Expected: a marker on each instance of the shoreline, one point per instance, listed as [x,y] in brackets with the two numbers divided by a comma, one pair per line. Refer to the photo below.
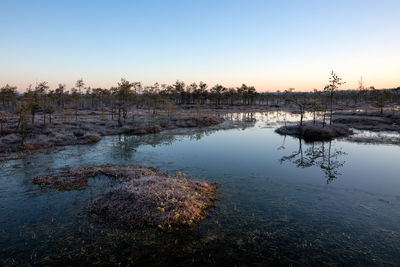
[91,126]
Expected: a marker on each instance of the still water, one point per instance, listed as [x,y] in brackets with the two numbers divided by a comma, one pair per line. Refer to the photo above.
[282,201]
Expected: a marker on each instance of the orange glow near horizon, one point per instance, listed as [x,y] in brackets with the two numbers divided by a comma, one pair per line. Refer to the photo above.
[270,45]
[269,84]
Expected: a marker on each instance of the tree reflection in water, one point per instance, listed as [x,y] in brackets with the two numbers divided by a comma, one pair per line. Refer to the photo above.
[320,154]
[124,144]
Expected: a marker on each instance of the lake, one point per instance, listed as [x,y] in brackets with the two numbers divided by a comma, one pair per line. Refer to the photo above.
[281,201]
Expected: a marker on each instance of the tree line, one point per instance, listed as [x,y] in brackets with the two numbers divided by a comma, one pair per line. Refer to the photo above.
[117,101]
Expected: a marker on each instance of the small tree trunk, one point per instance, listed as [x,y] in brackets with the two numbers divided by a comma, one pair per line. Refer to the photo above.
[301,117]
[19,122]
[125,112]
[314,117]
[330,119]
[119,115]
[22,133]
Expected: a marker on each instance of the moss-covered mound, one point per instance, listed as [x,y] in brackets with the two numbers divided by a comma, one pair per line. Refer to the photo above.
[311,132]
[77,178]
[143,196]
[156,200]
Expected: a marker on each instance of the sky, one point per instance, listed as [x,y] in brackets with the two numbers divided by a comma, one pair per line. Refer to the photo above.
[272,45]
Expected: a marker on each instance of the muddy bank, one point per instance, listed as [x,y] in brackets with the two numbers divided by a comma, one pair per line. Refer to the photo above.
[90,128]
[310,132]
[142,197]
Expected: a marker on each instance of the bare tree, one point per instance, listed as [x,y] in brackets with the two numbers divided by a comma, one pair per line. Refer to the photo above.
[334,83]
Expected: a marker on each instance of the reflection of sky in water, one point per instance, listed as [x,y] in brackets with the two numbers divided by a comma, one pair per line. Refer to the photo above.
[255,150]
[261,193]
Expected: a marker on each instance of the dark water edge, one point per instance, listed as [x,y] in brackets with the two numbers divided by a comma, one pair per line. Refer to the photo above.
[283,202]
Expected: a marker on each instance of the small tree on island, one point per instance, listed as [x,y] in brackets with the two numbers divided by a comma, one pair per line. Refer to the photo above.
[315,105]
[334,83]
[300,101]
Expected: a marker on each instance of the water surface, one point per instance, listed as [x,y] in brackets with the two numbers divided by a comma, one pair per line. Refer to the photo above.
[282,201]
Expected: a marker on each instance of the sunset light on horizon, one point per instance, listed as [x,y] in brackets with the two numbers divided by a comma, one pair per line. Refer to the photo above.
[272,45]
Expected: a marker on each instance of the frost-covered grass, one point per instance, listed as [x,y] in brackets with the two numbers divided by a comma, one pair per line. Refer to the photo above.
[143,197]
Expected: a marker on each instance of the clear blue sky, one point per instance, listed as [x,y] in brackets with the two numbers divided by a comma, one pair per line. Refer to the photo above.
[270,44]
